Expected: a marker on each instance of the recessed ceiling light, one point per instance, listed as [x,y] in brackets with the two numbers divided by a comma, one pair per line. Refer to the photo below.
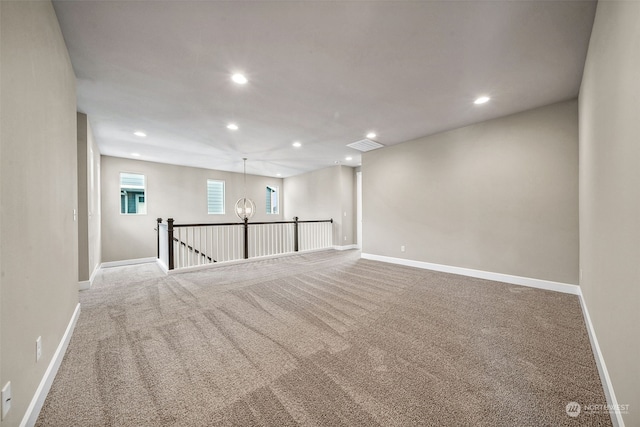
[140,134]
[135,154]
[297,144]
[348,158]
[232,126]
[239,78]
[278,174]
[371,135]
[481,100]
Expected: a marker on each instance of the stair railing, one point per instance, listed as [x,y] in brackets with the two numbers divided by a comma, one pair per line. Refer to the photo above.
[190,245]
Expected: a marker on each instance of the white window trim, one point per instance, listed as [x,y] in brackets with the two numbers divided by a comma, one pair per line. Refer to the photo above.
[277,191]
[224,196]
[146,193]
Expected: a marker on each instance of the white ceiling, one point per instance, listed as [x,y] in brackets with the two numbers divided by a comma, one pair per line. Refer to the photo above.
[322,73]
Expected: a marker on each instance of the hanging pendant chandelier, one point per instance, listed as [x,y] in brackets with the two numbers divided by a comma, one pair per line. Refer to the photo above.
[245,208]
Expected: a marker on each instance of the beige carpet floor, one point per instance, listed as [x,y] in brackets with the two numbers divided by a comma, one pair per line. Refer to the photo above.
[324,339]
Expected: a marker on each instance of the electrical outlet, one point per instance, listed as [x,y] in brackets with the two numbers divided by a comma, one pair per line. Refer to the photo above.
[345,238]
[402,248]
[6,399]
[38,348]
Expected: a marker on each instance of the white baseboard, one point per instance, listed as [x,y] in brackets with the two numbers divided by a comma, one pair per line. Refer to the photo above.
[345,247]
[488,275]
[127,262]
[225,263]
[239,261]
[31,416]
[86,284]
[616,416]
[162,266]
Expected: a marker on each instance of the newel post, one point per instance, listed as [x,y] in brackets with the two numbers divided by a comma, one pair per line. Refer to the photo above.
[246,238]
[295,234]
[159,220]
[170,242]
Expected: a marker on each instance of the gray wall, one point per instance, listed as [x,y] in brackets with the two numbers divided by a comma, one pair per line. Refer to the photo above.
[89,243]
[323,194]
[173,191]
[610,194]
[499,196]
[38,250]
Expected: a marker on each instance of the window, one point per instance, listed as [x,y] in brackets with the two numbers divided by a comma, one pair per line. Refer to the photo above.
[272,200]
[215,197]
[132,194]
